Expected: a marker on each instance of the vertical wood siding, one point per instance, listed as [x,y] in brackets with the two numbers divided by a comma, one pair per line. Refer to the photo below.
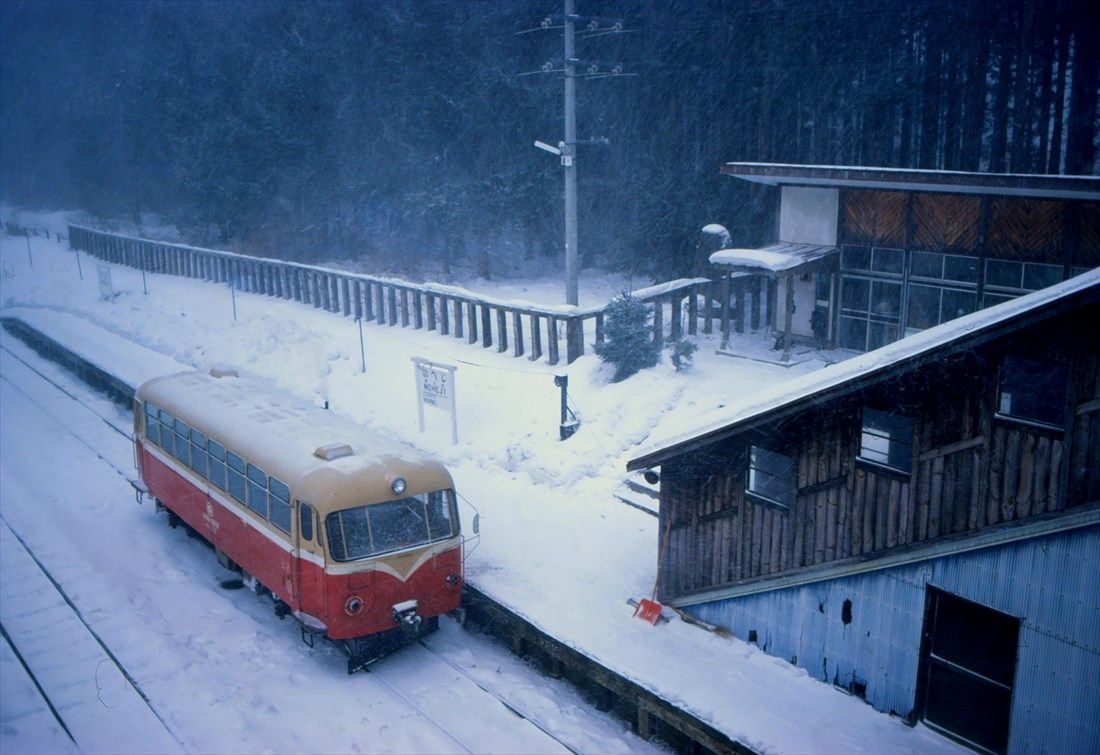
[971,469]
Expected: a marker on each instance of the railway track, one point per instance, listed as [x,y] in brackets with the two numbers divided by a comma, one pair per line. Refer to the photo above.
[434,689]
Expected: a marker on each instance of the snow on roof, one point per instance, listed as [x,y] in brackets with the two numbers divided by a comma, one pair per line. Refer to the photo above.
[761,258]
[280,432]
[775,258]
[716,229]
[940,338]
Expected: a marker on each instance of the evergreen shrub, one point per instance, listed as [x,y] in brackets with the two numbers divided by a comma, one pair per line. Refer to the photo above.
[628,345]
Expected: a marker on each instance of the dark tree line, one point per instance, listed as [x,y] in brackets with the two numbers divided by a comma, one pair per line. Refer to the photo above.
[400,130]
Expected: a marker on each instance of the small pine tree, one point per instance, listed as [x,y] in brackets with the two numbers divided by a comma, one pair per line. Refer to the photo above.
[629,345]
[682,353]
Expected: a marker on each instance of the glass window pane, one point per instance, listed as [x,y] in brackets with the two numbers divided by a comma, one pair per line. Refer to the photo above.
[151,409]
[198,439]
[182,428]
[1003,273]
[888,261]
[236,485]
[152,430]
[1041,276]
[1034,390]
[257,498]
[957,304]
[217,473]
[183,448]
[771,475]
[442,517]
[257,475]
[886,298]
[881,333]
[398,524]
[887,438]
[167,418]
[235,462]
[852,333]
[305,521]
[924,307]
[958,268]
[198,459]
[334,524]
[216,449]
[926,265]
[280,514]
[855,258]
[278,489]
[855,294]
[988,300]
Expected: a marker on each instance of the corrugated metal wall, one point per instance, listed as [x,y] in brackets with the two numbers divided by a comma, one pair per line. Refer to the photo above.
[1052,583]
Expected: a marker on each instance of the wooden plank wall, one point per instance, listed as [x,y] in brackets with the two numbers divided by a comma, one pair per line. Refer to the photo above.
[971,470]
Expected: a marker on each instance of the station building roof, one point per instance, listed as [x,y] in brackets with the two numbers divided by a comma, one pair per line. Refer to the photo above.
[797,394]
[906,179]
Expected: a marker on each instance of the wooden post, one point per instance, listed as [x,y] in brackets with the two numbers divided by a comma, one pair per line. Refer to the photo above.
[486,326]
[417,310]
[574,339]
[552,338]
[459,327]
[693,311]
[502,330]
[357,295]
[444,317]
[788,313]
[429,305]
[345,290]
[536,337]
[726,283]
[391,305]
[404,307]
[658,323]
[600,334]
[739,315]
[517,333]
[754,311]
[471,322]
[675,327]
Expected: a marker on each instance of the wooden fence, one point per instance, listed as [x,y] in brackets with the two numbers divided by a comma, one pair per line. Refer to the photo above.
[535,331]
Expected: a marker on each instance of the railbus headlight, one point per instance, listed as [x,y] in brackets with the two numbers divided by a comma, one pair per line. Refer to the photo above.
[354,605]
[398,486]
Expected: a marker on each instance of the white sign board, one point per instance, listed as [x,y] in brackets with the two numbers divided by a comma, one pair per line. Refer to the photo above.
[106,290]
[435,386]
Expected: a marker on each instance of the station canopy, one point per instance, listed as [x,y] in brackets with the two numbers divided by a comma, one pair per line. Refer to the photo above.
[776,259]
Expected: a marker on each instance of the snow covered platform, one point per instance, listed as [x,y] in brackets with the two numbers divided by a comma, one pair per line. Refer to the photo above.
[557,550]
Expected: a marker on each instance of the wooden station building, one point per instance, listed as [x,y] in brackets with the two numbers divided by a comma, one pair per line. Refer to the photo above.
[919,524]
[865,256]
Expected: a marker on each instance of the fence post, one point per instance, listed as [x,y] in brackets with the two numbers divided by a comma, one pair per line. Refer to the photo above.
[552,339]
[536,337]
[574,339]
[517,333]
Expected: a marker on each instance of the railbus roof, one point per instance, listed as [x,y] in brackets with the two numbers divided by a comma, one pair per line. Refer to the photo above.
[280,434]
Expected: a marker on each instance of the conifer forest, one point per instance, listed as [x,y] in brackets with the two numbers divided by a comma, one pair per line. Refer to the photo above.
[402,130]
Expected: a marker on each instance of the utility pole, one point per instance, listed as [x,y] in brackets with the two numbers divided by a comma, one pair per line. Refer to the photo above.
[570,159]
[567,148]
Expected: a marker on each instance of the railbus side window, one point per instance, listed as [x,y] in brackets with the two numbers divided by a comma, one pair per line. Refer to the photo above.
[167,436]
[217,462]
[442,521]
[183,444]
[198,452]
[257,490]
[152,427]
[305,521]
[235,474]
[280,504]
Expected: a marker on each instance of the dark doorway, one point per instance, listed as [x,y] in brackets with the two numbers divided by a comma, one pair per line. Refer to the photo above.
[967,668]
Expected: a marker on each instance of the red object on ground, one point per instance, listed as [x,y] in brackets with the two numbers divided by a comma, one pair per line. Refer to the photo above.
[648,610]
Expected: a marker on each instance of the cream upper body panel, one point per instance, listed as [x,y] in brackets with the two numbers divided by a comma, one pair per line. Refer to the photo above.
[279,433]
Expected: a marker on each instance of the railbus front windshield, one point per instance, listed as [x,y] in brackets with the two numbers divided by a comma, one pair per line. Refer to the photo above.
[378,528]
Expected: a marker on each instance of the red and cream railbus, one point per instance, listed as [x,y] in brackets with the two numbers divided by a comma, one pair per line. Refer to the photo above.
[354,534]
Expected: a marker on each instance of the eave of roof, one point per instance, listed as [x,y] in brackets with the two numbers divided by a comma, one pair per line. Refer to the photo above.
[859,372]
[949,181]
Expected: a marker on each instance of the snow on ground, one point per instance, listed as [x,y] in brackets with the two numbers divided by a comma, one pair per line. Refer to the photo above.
[556,546]
[220,670]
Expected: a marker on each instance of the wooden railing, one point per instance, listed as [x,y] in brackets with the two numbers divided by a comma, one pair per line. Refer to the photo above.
[535,331]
